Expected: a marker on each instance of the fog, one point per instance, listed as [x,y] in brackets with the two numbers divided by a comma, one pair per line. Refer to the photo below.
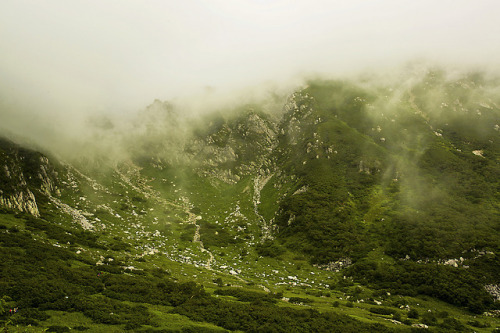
[65,62]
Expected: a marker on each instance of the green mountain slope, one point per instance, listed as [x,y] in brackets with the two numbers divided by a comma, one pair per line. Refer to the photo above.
[357,206]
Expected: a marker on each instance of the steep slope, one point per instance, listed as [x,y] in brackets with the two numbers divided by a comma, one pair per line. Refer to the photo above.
[25,175]
[345,155]
[379,197]
[400,179]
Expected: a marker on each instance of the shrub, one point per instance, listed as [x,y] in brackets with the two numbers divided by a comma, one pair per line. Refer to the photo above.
[453,324]
[299,300]
[478,324]
[58,329]
[219,282]
[246,295]
[269,249]
[382,311]
[413,313]
[429,318]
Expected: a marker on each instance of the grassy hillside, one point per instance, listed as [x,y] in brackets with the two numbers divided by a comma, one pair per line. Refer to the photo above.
[361,205]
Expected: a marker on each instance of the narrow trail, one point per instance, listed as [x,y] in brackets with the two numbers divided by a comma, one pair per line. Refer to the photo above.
[148,192]
[192,218]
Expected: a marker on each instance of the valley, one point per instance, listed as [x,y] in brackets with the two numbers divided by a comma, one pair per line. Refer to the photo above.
[364,206]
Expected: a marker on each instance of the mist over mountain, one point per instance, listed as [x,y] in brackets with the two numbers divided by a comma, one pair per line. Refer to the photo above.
[63,63]
[383,192]
[255,166]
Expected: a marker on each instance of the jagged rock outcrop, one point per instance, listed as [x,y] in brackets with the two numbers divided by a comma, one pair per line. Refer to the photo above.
[234,148]
[493,290]
[337,265]
[24,174]
[23,201]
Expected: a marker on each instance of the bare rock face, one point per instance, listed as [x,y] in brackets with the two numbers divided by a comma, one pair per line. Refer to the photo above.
[493,290]
[47,177]
[234,147]
[24,174]
[23,201]
[337,265]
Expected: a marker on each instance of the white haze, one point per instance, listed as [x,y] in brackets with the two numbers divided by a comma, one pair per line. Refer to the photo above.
[62,62]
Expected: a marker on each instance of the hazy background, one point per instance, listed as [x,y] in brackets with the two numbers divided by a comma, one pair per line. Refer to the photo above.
[62,61]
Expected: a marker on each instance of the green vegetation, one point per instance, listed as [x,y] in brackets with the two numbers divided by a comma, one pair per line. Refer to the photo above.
[246,295]
[261,317]
[456,286]
[362,206]
[38,277]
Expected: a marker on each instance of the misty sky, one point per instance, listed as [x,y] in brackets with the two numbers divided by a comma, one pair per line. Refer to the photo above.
[83,56]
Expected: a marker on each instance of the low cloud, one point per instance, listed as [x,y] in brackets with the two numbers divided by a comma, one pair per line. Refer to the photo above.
[66,66]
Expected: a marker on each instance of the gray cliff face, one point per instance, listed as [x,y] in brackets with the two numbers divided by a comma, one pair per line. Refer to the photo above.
[234,149]
[24,175]
[23,201]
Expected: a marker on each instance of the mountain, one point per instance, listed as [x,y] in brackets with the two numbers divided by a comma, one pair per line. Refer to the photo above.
[357,205]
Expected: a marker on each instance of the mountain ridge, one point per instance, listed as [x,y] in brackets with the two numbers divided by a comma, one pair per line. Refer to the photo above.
[357,189]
